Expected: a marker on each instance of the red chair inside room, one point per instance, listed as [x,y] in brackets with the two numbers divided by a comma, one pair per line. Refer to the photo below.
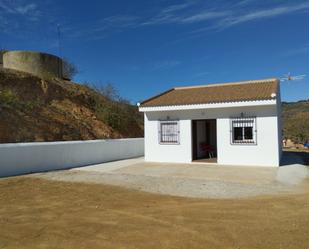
[208,149]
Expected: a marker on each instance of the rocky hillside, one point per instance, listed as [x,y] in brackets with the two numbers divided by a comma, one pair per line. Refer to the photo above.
[296,120]
[32,109]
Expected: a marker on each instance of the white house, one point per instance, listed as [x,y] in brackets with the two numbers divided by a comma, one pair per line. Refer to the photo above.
[235,123]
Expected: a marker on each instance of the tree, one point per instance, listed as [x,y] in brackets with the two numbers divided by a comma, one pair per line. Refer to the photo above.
[2,51]
[69,69]
[116,111]
[109,91]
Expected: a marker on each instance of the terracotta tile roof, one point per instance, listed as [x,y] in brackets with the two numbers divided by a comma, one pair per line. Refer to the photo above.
[216,93]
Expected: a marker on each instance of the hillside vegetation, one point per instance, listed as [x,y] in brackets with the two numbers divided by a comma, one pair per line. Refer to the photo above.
[296,120]
[33,109]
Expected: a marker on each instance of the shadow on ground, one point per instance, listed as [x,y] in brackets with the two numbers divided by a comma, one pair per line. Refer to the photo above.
[295,157]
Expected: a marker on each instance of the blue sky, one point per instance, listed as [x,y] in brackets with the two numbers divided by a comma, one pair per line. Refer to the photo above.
[144,47]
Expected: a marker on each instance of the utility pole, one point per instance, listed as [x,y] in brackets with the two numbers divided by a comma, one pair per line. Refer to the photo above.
[59,40]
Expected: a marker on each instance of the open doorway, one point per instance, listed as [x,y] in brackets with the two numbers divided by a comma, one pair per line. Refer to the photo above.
[204,140]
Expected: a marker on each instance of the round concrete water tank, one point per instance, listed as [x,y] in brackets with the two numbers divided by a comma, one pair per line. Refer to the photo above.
[39,64]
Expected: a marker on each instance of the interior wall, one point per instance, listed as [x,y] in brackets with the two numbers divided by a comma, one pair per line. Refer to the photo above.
[204,136]
[213,133]
[200,137]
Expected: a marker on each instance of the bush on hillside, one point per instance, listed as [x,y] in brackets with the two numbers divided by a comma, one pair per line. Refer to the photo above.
[69,69]
[116,111]
[8,98]
[296,128]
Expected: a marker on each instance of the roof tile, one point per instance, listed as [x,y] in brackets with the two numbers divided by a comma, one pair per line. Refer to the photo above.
[216,93]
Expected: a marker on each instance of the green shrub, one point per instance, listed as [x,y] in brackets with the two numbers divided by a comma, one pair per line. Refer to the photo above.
[115,111]
[30,105]
[8,97]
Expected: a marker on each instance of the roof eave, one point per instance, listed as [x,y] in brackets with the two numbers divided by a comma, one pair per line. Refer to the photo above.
[264,102]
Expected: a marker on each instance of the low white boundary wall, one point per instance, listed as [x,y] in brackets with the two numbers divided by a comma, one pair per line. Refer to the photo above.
[21,158]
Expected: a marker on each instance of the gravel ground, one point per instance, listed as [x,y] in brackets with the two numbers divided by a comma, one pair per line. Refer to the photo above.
[180,186]
[192,180]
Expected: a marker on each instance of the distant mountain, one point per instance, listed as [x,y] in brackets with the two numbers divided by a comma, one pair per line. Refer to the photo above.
[296,120]
[33,109]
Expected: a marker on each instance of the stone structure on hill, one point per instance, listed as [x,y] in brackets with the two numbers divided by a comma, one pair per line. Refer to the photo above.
[39,64]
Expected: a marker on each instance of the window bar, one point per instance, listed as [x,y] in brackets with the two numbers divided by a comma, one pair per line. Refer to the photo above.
[244,122]
[169,132]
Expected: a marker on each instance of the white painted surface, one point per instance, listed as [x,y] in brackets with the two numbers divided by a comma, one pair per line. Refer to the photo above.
[280,125]
[266,152]
[23,158]
[156,152]
[209,106]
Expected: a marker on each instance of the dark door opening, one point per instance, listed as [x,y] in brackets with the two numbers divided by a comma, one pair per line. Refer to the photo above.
[204,140]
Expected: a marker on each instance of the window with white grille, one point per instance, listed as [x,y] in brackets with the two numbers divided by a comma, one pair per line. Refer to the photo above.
[169,132]
[243,130]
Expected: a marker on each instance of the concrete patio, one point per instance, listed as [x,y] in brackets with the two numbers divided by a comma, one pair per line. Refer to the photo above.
[191,180]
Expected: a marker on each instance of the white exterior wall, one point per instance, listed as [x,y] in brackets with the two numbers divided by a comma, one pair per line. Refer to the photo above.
[280,124]
[21,158]
[265,153]
[156,152]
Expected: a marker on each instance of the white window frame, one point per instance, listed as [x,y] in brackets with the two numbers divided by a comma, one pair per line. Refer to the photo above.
[243,122]
[177,132]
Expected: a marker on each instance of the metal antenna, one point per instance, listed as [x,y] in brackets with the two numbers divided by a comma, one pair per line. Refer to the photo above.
[289,77]
[60,66]
[59,40]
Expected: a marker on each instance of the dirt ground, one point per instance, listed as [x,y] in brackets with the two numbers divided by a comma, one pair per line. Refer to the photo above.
[38,213]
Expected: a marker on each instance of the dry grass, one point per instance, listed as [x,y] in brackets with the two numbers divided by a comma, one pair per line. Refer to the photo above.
[33,109]
[37,213]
